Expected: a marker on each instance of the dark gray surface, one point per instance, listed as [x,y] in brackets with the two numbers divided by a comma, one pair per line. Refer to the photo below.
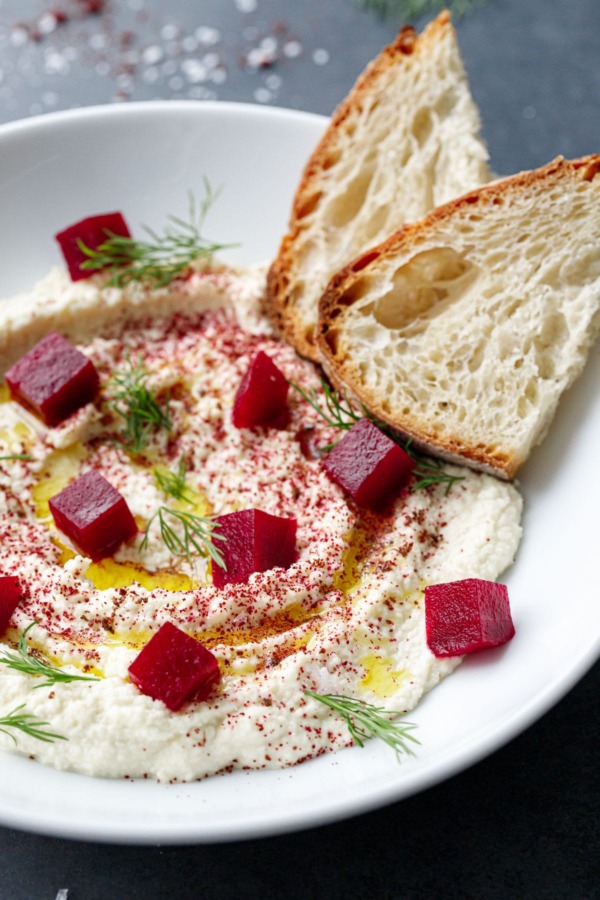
[533,64]
[524,823]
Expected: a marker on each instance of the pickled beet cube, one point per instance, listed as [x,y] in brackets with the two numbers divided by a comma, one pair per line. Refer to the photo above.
[368,465]
[174,667]
[10,597]
[93,514]
[53,380]
[467,616]
[91,232]
[261,398]
[254,542]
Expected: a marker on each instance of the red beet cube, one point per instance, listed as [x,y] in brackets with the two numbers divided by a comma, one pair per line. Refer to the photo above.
[255,541]
[91,232]
[93,514]
[53,379]
[368,465]
[467,616]
[10,597]
[174,667]
[262,395]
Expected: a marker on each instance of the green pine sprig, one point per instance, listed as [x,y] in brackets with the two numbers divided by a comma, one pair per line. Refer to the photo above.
[364,721]
[158,261]
[28,724]
[21,660]
[139,408]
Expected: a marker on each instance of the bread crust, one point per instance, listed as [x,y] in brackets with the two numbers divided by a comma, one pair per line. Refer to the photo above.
[338,298]
[279,297]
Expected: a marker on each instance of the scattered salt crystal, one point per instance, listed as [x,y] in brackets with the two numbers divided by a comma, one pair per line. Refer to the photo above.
[207,35]
[320,57]
[98,41]
[56,64]
[18,36]
[47,23]
[292,49]
[194,70]
[151,75]
[211,60]
[168,32]
[260,58]
[269,44]
[152,54]
[262,95]
[218,76]
[201,93]
[175,59]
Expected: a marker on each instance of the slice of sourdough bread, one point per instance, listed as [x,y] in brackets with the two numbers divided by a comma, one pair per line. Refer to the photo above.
[463,330]
[405,140]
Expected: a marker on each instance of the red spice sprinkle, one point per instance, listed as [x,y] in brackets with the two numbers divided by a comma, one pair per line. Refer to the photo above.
[235,469]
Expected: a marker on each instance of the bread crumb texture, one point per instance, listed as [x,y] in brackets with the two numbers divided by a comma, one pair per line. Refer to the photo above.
[465,329]
[405,140]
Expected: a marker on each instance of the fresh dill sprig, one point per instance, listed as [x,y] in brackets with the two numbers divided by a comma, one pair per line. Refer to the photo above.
[338,413]
[135,403]
[22,661]
[157,261]
[25,456]
[28,724]
[429,470]
[173,483]
[364,720]
[197,534]
[412,9]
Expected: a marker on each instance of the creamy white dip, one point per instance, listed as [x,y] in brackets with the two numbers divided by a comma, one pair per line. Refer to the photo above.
[347,618]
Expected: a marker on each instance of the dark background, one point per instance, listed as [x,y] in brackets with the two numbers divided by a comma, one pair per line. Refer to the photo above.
[523,823]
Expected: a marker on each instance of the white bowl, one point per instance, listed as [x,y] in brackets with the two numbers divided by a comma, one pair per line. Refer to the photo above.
[143,159]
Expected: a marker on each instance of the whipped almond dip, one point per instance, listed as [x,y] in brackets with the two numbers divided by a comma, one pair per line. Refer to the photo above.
[346,618]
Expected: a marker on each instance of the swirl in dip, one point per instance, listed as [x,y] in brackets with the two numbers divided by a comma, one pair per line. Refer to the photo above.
[346,618]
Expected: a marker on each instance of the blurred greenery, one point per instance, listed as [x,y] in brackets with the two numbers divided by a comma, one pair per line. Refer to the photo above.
[412,9]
